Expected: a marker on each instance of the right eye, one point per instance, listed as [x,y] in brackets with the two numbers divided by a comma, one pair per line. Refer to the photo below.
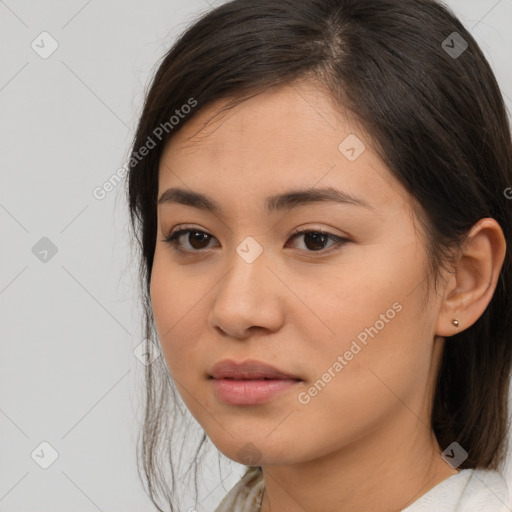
[196,239]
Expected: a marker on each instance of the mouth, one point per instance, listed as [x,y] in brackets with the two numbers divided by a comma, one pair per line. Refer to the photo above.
[250,382]
[249,370]
[252,378]
[251,391]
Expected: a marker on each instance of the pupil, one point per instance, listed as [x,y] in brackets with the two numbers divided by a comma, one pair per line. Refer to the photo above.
[314,241]
[198,237]
[319,240]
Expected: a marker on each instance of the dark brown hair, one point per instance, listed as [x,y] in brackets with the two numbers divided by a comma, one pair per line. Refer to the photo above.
[438,121]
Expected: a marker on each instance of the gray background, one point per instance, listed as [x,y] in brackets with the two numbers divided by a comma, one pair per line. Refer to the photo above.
[69,325]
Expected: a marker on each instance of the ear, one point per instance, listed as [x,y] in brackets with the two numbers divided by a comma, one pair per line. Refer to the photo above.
[470,287]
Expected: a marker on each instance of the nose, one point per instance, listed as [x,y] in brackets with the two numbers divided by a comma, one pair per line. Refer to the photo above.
[249,297]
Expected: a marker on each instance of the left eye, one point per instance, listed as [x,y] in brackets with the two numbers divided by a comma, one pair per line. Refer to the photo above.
[314,240]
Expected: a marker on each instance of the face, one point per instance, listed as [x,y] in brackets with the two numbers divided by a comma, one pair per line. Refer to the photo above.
[342,308]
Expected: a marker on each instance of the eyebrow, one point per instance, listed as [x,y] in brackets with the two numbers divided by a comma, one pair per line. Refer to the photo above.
[276,203]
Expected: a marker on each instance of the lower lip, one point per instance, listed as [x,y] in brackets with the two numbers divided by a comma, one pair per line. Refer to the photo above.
[250,392]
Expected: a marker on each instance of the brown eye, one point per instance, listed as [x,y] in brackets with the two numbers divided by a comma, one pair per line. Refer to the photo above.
[189,240]
[315,241]
[196,241]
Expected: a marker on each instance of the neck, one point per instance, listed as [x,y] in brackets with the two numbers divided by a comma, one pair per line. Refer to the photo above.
[384,471]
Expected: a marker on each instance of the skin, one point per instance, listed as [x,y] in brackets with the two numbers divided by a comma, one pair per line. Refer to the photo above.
[364,442]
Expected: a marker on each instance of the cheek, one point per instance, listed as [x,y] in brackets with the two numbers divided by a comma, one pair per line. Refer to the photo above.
[368,290]
[367,371]
[373,318]
[162,293]
[172,295]
[176,310]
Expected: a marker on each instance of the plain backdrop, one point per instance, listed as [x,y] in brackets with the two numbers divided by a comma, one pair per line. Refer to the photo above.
[72,80]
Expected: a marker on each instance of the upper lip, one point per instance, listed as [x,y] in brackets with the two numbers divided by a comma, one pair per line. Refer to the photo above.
[249,369]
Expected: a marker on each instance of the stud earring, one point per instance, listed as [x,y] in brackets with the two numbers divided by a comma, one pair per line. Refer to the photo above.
[455,322]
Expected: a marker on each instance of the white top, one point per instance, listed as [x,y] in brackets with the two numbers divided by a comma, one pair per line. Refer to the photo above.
[470,490]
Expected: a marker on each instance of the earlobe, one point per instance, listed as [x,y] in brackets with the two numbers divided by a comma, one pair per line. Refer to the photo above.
[470,288]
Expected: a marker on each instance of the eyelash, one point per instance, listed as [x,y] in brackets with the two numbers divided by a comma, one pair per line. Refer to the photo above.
[174,236]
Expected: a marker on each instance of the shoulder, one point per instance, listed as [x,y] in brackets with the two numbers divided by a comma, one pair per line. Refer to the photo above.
[470,490]
[245,496]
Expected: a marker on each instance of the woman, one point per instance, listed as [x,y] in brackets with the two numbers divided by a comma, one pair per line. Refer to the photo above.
[319,189]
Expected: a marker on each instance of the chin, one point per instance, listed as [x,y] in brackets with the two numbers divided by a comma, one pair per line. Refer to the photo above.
[255,450]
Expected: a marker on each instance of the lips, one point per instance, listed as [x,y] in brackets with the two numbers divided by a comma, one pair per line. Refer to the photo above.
[250,383]
[248,370]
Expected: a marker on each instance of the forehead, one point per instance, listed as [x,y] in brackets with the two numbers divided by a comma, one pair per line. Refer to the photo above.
[296,111]
[293,134]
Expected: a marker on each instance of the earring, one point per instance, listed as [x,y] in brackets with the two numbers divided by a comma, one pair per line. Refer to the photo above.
[455,322]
